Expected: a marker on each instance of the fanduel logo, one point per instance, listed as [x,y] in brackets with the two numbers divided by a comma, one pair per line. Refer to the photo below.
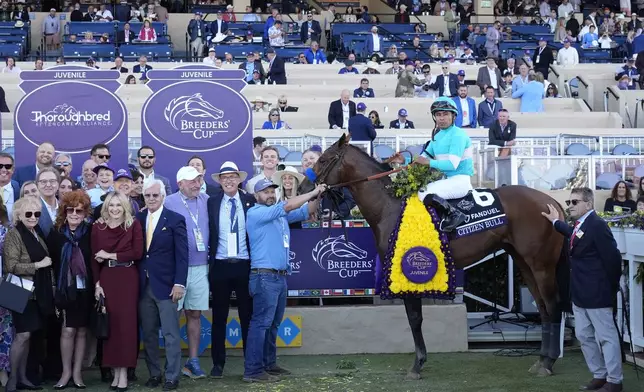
[192,114]
[345,258]
[66,115]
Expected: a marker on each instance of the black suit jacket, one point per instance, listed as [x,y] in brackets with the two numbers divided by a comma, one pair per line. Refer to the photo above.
[122,69]
[440,85]
[335,113]
[315,35]
[545,59]
[498,137]
[277,72]
[361,128]
[595,263]
[395,124]
[137,68]
[214,205]
[120,36]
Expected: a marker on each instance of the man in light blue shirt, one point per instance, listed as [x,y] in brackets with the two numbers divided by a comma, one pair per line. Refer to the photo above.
[531,96]
[587,41]
[269,236]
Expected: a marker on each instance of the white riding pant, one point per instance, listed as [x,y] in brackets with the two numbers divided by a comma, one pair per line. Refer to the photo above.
[449,188]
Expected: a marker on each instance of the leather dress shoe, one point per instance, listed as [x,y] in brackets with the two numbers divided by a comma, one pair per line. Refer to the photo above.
[153,382]
[170,385]
[594,385]
[610,387]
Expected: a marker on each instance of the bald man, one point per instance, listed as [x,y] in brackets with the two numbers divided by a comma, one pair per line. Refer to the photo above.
[44,158]
[341,111]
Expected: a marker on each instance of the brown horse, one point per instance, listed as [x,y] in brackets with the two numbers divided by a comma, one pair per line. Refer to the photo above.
[536,248]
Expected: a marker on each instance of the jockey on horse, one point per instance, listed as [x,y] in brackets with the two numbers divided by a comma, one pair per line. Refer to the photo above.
[450,151]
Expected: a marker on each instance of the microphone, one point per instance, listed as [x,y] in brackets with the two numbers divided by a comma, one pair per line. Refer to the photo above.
[310,174]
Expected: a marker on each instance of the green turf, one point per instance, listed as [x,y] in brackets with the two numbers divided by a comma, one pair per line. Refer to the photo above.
[462,372]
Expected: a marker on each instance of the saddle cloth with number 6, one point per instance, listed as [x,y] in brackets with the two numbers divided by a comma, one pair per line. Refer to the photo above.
[483,211]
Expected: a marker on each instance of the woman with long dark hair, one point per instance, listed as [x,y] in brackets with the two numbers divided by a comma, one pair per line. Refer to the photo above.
[71,254]
[621,199]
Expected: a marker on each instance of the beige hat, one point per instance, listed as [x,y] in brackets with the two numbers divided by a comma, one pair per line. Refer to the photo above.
[259,99]
[372,65]
[277,177]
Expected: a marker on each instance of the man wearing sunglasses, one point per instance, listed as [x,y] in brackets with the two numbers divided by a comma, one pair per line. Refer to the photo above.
[596,266]
[100,153]
[147,158]
[10,190]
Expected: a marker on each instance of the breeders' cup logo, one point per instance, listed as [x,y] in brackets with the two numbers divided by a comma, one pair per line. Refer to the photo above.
[345,258]
[295,265]
[67,115]
[192,114]
[418,260]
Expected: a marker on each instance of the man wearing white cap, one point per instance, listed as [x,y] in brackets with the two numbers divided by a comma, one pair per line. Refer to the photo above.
[211,58]
[229,258]
[192,204]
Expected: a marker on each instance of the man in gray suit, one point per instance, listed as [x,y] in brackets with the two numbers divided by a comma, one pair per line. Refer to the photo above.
[147,158]
[490,76]
[492,39]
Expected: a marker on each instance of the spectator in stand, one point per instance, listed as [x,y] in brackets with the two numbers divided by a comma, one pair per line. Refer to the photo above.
[75,16]
[621,199]
[567,56]
[341,111]
[210,59]
[489,108]
[372,68]
[544,8]
[310,30]
[229,15]
[565,9]
[314,55]
[161,12]
[147,33]
[552,91]
[446,83]
[521,79]
[269,22]
[461,77]
[349,16]
[276,34]
[395,68]
[11,66]
[401,122]
[301,59]
[374,42]
[634,23]
[375,120]
[453,20]
[276,70]
[348,68]
[492,39]
[364,91]
[51,30]
[360,127]
[197,33]
[249,16]
[104,15]
[260,105]
[503,132]
[402,16]
[142,67]
[490,76]
[219,28]
[126,36]
[118,65]
[590,39]
[542,58]
[441,8]
[466,116]
[283,106]
[274,120]
[629,70]
[407,80]
[624,82]
[251,65]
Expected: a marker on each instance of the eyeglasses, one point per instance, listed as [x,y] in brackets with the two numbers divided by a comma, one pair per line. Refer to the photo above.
[151,195]
[29,214]
[65,164]
[146,156]
[574,202]
[7,166]
[47,182]
[77,211]
[103,156]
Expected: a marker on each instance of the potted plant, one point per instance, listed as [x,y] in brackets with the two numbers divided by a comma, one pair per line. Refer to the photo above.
[634,233]
[616,223]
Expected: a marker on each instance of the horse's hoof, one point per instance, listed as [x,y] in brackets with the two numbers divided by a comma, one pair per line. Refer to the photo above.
[535,367]
[543,372]
[413,375]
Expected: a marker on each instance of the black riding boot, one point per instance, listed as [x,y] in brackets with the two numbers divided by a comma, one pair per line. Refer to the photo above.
[452,218]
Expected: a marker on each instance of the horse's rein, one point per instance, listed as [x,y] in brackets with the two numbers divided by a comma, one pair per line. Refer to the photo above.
[375,176]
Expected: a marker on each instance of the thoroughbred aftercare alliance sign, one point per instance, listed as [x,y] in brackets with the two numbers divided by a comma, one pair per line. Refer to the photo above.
[73,107]
[197,110]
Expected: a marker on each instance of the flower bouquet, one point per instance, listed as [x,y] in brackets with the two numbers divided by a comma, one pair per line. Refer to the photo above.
[411,179]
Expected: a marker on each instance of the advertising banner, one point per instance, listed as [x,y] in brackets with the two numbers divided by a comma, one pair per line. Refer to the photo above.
[74,108]
[197,110]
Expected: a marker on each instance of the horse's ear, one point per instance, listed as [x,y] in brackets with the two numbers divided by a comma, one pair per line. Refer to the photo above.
[344,140]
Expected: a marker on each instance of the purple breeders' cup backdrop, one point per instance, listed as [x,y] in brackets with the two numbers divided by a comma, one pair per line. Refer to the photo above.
[197,110]
[73,107]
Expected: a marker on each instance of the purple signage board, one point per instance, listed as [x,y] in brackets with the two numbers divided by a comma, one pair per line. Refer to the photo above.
[74,108]
[197,110]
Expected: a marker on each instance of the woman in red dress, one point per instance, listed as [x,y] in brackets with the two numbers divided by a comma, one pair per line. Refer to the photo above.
[117,240]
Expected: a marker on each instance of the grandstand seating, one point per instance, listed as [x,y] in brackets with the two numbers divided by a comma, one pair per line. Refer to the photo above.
[14,41]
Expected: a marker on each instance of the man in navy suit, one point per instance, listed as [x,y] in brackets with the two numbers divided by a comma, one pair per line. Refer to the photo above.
[44,158]
[163,272]
[341,111]
[310,30]
[218,26]
[489,108]
[197,32]
[595,271]
[360,127]
[446,83]
[229,259]
[276,70]
[466,117]
[402,122]
[9,189]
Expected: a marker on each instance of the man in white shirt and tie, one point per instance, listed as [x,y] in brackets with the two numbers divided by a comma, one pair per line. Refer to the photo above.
[10,191]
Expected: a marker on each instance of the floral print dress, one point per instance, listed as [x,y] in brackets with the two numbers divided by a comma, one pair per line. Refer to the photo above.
[6,327]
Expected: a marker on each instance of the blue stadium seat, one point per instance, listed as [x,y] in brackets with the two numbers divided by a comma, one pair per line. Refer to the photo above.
[83,51]
[607,180]
[293,156]
[415,150]
[639,171]
[283,151]
[382,151]
[624,149]
[577,149]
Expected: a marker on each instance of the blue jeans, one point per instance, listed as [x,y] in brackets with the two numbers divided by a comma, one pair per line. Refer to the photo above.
[269,301]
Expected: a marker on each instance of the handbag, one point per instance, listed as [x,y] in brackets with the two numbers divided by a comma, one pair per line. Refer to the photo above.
[13,293]
[101,320]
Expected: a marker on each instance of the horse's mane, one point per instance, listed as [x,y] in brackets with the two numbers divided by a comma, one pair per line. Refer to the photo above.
[368,157]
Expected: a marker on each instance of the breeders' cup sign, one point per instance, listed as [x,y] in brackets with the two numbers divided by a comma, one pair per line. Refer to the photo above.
[333,262]
[197,110]
[73,107]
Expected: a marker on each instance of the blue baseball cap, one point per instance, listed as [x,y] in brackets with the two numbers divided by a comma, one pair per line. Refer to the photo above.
[102,166]
[123,173]
[462,43]
[566,41]
[542,39]
[361,107]
[461,72]
[402,113]
[263,184]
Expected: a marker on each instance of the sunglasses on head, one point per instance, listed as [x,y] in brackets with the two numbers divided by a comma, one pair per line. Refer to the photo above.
[7,166]
[574,202]
[29,214]
[77,211]
[103,156]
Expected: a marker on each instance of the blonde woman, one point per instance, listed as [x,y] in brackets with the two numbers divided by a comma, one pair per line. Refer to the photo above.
[560,30]
[117,243]
[287,180]
[29,188]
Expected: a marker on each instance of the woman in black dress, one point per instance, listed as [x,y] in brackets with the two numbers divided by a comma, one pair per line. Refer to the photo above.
[71,254]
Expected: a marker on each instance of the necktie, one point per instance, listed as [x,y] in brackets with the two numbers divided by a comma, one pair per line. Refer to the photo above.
[149,231]
[234,225]
[574,233]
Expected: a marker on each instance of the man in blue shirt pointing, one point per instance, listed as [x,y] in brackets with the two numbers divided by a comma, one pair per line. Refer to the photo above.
[269,236]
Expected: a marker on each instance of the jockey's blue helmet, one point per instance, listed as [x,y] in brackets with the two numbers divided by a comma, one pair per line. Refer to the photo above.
[444,104]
